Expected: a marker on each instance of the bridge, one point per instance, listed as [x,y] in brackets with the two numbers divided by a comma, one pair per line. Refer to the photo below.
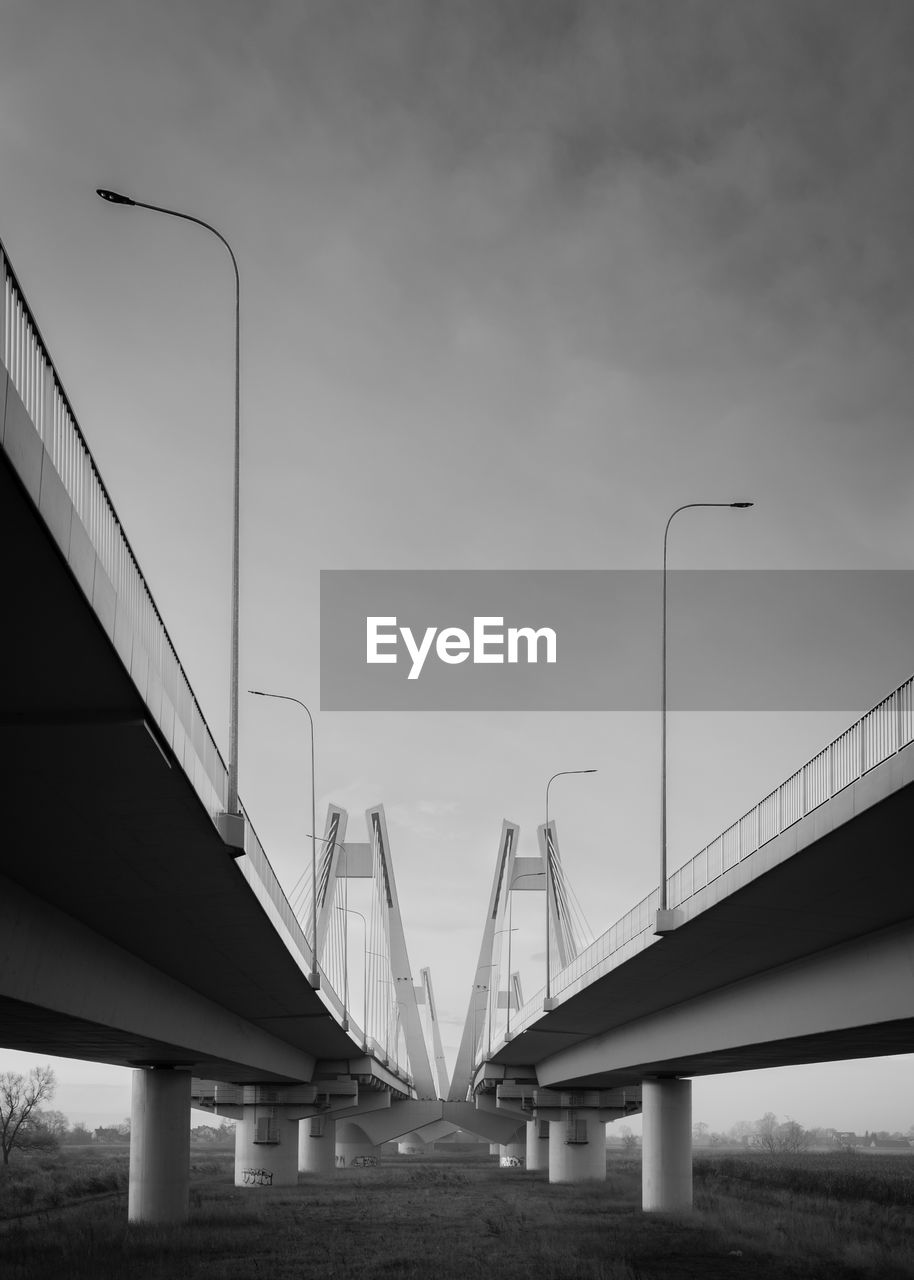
[141,928]
[792,941]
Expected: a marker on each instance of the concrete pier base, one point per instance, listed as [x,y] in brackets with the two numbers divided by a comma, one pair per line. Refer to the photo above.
[666,1169]
[317,1145]
[537,1144]
[494,1148]
[411,1145]
[354,1149]
[577,1148]
[266,1148]
[159,1145]
[513,1155]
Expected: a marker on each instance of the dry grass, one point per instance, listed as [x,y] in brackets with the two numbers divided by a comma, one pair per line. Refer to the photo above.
[854,1210]
[35,1182]
[467,1219]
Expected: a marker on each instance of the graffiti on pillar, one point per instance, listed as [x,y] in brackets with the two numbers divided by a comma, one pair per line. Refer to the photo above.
[363,1162]
[511,1162]
[257,1177]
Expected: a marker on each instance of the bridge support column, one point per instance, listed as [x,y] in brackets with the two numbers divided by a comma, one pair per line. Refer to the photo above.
[537,1144]
[577,1148]
[159,1145]
[266,1148]
[666,1170]
[317,1145]
[513,1153]
[354,1149]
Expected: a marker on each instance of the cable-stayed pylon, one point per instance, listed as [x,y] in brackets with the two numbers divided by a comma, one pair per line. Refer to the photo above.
[569,931]
[355,881]
[497,992]
[477,1027]
[433,1032]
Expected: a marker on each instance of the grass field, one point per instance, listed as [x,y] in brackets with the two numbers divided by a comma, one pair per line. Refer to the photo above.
[815,1217]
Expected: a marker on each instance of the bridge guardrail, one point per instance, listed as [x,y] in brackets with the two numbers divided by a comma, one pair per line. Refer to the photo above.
[136,626]
[884,730]
[138,631]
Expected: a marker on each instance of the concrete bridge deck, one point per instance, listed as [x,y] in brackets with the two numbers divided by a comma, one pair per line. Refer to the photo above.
[744,981]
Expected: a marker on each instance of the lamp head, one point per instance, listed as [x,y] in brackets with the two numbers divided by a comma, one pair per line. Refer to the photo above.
[742,504]
[113,196]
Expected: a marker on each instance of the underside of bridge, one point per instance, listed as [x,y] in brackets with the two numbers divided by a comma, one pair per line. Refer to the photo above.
[130,935]
[810,961]
[104,837]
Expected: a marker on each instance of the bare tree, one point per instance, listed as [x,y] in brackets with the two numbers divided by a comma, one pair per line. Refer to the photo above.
[43,1131]
[787,1138]
[19,1097]
[630,1143]
[767,1132]
[792,1137]
[78,1134]
[54,1123]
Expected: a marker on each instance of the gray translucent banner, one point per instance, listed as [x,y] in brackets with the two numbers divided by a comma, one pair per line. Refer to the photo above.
[756,640]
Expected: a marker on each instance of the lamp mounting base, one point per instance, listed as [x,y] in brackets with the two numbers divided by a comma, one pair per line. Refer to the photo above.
[668,921]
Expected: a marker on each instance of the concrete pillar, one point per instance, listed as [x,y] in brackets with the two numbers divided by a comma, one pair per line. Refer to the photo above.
[317,1145]
[666,1146]
[159,1145]
[537,1144]
[577,1148]
[354,1149]
[266,1147]
[512,1155]
[411,1145]
[494,1148]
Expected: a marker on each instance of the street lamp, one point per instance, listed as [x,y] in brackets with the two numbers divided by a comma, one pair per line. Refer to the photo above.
[314,977]
[549,1003]
[232,830]
[495,985]
[666,920]
[526,875]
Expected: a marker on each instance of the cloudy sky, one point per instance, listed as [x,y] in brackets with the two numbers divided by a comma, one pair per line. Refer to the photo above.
[518,278]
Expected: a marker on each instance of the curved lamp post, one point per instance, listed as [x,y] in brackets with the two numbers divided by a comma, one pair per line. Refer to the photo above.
[314,977]
[498,932]
[666,921]
[232,830]
[548,1003]
[526,875]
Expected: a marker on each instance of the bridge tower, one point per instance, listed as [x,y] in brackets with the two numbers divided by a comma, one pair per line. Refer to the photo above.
[497,991]
[564,1132]
[478,1023]
[390,1000]
[368,982]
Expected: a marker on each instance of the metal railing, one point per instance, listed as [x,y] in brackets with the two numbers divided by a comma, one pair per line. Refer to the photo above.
[882,732]
[138,632]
